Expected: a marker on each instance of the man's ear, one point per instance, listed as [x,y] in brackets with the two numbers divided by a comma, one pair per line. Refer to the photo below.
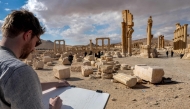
[27,35]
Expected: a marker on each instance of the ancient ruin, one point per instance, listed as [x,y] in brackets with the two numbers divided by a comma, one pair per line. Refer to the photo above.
[61,47]
[108,47]
[180,38]
[127,31]
[161,42]
[146,51]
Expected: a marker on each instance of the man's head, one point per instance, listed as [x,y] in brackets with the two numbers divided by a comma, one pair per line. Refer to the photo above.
[23,24]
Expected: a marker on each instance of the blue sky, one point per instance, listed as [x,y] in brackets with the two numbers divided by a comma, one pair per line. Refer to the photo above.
[77,21]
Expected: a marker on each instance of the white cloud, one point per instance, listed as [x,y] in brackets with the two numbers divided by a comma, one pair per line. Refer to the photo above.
[82,15]
[7,9]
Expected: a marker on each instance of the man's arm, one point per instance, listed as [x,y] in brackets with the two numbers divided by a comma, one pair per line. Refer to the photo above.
[49,85]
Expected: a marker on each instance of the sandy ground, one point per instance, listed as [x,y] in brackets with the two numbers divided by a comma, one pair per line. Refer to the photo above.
[143,96]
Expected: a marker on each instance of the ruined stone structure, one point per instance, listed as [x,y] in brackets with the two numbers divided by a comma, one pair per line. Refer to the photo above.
[149,33]
[127,31]
[61,47]
[180,38]
[108,48]
[91,45]
[145,50]
[161,42]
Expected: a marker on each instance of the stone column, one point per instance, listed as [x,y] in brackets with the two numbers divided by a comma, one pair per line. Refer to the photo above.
[123,37]
[158,42]
[129,46]
[130,31]
[90,45]
[102,44]
[108,44]
[55,47]
[96,44]
[149,31]
[163,42]
[185,35]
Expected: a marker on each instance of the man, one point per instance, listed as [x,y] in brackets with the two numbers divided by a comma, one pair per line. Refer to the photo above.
[20,87]
[167,53]
[70,58]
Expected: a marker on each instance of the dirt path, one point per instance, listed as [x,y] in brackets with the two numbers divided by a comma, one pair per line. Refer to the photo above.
[142,96]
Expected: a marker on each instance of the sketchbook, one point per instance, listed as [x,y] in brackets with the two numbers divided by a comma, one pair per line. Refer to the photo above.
[76,98]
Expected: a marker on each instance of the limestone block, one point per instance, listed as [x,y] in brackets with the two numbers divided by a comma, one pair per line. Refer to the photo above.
[87,70]
[110,63]
[153,74]
[86,63]
[76,67]
[66,61]
[37,64]
[107,69]
[89,58]
[61,72]
[49,64]
[46,59]
[29,62]
[109,58]
[93,63]
[107,75]
[124,67]
[107,55]
[128,80]
[78,60]
[102,57]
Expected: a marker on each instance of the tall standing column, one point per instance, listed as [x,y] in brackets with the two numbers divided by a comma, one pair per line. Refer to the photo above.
[129,40]
[123,35]
[158,42]
[96,44]
[185,35]
[149,31]
[129,46]
[102,44]
[163,42]
[90,45]
[55,47]
[108,44]
[59,46]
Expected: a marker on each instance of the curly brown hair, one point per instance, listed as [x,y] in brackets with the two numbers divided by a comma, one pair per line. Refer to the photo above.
[21,21]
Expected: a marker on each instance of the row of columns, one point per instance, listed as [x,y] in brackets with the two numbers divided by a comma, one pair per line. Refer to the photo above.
[161,42]
[60,48]
[180,37]
[103,43]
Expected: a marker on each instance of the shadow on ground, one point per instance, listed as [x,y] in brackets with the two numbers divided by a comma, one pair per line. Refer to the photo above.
[74,79]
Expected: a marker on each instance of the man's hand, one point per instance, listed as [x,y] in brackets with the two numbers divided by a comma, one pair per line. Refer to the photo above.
[55,103]
[62,83]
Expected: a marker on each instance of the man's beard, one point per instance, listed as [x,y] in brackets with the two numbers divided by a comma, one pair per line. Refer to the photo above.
[26,50]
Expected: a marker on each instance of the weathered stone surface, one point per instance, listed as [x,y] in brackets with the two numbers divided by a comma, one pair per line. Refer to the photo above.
[49,63]
[93,63]
[87,63]
[37,64]
[61,72]
[47,59]
[66,61]
[109,58]
[76,67]
[107,75]
[107,69]
[128,80]
[89,58]
[153,74]
[77,60]
[87,70]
